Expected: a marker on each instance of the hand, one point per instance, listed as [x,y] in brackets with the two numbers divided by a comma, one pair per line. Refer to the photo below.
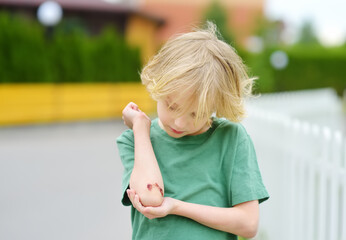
[132,113]
[165,209]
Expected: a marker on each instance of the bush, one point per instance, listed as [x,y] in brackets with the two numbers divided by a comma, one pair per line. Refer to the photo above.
[28,56]
[308,67]
[22,52]
[110,54]
[313,68]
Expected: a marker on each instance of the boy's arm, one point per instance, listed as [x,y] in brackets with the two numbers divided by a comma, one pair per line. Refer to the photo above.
[146,179]
[241,220]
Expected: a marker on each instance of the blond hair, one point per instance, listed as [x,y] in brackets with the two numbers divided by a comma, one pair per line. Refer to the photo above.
[200,63]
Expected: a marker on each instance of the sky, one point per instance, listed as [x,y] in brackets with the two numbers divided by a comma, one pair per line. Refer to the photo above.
[327,16]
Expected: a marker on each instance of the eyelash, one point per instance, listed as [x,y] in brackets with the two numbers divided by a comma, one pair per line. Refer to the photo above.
[171,108]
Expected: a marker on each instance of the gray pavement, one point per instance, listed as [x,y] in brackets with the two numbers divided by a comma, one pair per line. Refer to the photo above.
[62,181]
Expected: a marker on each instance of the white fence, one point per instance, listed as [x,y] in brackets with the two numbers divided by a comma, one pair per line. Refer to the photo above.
[303,166]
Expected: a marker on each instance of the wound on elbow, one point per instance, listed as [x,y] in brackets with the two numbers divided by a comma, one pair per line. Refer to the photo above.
[150,187]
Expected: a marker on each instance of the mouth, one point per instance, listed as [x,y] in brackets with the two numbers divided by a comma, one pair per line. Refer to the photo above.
[176,132]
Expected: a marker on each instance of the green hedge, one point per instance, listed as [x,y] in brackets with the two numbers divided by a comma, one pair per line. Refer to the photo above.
[27,55]
[308,67]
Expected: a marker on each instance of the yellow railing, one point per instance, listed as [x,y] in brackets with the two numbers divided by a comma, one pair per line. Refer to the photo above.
[38,103]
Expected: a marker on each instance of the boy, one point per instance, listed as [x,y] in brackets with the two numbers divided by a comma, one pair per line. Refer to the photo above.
[189,175]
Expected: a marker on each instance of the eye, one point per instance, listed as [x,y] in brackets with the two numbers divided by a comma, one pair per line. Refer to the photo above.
[202,117]
[171,107]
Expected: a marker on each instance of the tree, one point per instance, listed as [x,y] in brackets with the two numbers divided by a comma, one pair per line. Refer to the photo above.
[217,14]
[307,34]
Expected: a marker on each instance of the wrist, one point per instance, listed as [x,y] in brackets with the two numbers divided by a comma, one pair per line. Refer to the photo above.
[141,122]
[176,206]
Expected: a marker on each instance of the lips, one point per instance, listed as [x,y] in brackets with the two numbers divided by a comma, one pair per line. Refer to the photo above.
[175,131]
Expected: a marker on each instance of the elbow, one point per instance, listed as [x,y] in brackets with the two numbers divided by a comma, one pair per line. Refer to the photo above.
[149,195]
[249,230]
[151,199]
[248,219]
[249,234]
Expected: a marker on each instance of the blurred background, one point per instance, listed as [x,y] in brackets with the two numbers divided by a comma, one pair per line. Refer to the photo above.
[67,69]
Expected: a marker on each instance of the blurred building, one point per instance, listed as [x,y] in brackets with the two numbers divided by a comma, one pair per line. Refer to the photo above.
[148,23]
[179,15]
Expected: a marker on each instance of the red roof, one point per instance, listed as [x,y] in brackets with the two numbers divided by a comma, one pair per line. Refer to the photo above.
[178,18]
[68,4]
[84,5]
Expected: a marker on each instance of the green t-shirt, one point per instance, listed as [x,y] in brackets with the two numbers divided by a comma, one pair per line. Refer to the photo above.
[216,168]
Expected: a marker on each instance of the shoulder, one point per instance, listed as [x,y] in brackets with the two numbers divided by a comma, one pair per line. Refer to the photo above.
[230,129]
[126,137]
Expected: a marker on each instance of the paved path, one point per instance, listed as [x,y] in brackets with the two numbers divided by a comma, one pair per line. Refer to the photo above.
[62,182]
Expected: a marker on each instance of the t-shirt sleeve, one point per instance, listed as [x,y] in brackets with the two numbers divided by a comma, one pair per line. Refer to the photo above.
[246,181]
[125,144]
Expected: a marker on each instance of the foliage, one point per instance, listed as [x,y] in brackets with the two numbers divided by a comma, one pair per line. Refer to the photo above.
[310,64]
[69,55]
[308,67]
[307,34]
[217,14]
[269,31]
[22,52]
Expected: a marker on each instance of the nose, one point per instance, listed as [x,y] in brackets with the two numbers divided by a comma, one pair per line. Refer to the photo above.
[181,122]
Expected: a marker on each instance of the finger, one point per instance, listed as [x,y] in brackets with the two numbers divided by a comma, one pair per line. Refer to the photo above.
[150,216]
[129,194]
[133,192]
[131,197]
[153,211]
[148,211]
[133,106]
[138,204]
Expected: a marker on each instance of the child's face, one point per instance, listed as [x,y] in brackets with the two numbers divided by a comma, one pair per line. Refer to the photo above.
[178,126]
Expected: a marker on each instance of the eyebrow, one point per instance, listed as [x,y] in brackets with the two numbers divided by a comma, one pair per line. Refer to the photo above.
[168,101]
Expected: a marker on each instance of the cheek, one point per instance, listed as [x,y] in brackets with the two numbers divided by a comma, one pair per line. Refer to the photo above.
[162,113]
[201,125]
[165,116]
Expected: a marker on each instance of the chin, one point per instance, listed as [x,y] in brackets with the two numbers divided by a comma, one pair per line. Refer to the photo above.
[175,135]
